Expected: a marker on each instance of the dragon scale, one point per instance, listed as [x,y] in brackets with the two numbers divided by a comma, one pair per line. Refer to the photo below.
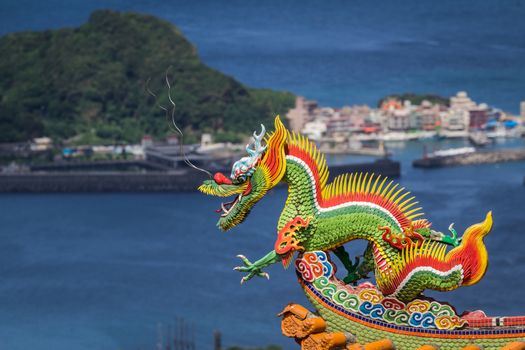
[335,225]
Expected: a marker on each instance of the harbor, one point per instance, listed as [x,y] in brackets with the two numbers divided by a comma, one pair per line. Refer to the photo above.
[107,244]
[151,166]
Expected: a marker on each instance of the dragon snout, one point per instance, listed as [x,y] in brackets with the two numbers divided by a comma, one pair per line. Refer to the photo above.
[221,179]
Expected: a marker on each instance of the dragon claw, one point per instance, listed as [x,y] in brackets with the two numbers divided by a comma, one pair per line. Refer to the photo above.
[454,240]
[264,274]
[255,269]
[244,260]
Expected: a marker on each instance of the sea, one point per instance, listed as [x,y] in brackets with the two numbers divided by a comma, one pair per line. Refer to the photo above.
[121,271]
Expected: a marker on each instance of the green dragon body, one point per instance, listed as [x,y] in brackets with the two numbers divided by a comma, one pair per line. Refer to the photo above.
[405,254]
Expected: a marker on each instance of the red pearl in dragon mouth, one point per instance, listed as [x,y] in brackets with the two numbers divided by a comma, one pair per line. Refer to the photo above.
[221,179]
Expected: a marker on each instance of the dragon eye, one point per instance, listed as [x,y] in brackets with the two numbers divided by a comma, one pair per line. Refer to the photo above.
[239,179]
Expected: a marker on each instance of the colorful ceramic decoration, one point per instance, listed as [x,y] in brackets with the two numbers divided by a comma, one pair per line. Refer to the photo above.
[405,255]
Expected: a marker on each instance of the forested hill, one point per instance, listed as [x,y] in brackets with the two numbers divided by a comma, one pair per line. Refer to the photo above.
[90,81]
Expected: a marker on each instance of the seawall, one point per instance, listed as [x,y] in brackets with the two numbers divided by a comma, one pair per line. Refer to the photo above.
[145,181]
[99,182]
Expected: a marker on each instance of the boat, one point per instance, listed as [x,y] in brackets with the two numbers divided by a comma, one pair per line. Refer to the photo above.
[479,139]
[452,152]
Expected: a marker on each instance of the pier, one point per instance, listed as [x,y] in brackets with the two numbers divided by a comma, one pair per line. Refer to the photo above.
[478,157]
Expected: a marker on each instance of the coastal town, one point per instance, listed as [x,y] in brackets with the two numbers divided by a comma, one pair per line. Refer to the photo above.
[362,129]
[357,129]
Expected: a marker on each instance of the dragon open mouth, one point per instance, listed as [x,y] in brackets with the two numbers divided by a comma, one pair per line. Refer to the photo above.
[227,207]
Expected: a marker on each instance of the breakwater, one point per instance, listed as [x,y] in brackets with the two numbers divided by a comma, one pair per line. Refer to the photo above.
[480,157]
[99,182]
[66,180]
[99,165]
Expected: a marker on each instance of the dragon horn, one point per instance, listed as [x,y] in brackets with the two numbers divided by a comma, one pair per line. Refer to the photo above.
[257,148]
[259,137]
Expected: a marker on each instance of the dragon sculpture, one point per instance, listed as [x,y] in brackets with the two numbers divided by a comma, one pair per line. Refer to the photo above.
[404,253]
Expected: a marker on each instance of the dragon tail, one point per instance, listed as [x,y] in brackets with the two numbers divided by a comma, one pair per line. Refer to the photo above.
[471,253]
[429,266]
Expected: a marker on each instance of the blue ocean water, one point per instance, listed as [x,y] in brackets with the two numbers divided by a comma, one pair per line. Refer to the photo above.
[101,271]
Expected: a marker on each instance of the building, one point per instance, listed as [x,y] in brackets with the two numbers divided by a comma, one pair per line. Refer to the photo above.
[395,116]
[398,116]
[314,130]
[455,120]
[478,117]
[458,116]
[416,120]
[348,119]
[206,140]
[40,144]
[301,113]
[147,141]
[390,105]
[399,120]
[462,102]
[172,139]
[375,122]
[429,116]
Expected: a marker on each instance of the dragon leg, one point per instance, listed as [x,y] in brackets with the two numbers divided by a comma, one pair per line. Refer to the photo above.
[434,235]
[286,244]
[255,268]
[357,270]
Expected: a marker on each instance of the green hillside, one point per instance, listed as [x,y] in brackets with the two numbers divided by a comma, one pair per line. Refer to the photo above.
[90,81]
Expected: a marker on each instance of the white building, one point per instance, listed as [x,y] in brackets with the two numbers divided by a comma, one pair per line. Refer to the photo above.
[314,130]
[399,120]
[462,102]
[456,120]
[41,144]
[458,116]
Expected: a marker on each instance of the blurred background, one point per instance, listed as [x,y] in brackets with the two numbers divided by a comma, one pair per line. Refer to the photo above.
[105,242]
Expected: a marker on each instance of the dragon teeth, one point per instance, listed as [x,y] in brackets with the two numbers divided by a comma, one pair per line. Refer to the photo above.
[232,204]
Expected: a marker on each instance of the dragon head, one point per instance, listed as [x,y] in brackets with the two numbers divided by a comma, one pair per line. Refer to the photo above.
[251,177]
